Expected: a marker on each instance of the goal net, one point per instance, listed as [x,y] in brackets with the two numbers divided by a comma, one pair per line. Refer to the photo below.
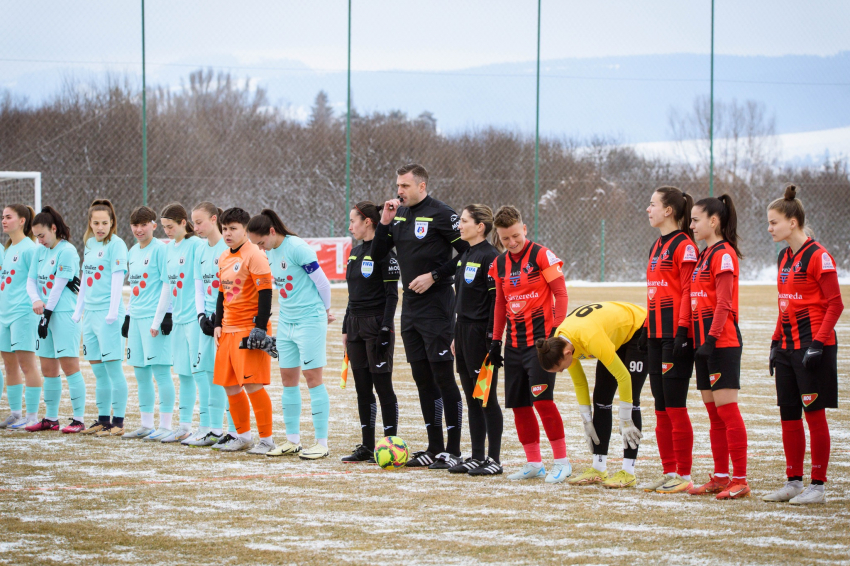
[20,187]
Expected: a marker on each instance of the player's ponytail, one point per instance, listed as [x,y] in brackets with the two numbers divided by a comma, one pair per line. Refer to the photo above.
[262,224]
[176,213]
[49,218]
[211,210]
[27,213]
[681,203]
[550,352]
[101,205]
[368,209]
[723,208]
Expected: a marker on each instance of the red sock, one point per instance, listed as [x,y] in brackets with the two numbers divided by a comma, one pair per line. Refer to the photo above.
[262,404]
[819,433]
[719,445]
[553,424]
[240,411]
[683,439]
[736,438]
[664,439]
[794,441]
[528,432]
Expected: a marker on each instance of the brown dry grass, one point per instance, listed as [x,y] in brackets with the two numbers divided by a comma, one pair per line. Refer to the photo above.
[92,501]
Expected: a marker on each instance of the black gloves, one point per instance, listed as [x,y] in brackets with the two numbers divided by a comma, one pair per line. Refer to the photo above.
[125,328]
[207,324]
[167,324]
[42,324]
[811,359]
[496,354]
[771,359]
[680,342]
[706,349]
[74,285]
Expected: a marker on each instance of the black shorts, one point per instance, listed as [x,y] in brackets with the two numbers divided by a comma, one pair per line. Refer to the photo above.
[525,381]
[814,390]
[427,327]
[470,346]
[660,360]
[362,345]
[635,361]
[722,370]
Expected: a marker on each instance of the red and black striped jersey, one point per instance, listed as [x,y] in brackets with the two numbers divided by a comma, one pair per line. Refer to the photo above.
[668,283]
[529,298]
[713,261]
[802,303]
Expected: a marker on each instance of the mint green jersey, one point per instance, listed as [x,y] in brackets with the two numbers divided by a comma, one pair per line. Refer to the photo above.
[292,262]
[14,300]
[146,276]
[180,266]
[206,271]
[99,263]
[61,262]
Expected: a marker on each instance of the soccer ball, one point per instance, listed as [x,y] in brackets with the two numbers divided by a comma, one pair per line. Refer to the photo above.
[391,453]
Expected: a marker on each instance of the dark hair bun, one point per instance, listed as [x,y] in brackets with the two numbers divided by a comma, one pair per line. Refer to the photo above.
[542,345]
[790,192]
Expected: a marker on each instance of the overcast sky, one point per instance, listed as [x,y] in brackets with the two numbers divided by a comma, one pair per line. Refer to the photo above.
[403,34]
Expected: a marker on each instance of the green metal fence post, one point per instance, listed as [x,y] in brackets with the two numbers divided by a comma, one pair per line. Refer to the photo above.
[711,118]
[602,247]
[348,124]
[537,135]
[144,117]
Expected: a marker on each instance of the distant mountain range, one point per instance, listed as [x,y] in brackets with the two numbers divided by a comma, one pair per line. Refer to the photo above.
[626,97]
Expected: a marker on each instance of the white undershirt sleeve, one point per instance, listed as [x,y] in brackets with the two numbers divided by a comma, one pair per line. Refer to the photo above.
[323,286]
[116,291]
[162,307]
[32,290]
[199,296]
[56,293]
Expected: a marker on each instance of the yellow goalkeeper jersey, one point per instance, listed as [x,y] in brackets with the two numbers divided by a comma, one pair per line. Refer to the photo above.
[598,330]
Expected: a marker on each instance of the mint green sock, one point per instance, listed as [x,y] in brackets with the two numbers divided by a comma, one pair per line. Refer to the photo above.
[218,401]
[102,390]
[147,393]
[165,384]
[231,428]
[33,397]
[52,396]
[187,398]
[15,393]
[119,388]
[203,385]
[77,392]
[1,384]
[291,401]
[320,405]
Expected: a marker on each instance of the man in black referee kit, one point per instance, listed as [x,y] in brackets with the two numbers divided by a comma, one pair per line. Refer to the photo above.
[424,231]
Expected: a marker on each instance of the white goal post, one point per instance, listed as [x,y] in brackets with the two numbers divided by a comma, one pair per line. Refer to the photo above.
[15,188]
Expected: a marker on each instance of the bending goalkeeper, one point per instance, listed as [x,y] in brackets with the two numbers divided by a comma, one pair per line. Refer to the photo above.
[611,333]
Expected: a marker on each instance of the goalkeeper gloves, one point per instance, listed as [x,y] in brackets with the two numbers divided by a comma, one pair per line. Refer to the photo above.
[42,324]
[631,434]
[590,435]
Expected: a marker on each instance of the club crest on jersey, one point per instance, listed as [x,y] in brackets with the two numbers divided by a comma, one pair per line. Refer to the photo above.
[421,229]
[147,261]
[783,305]
[215,261]
[236,267]
[15,258]
[99,254]
[469,273]
[808,398]
[714,378]
[666,255]
[690,253]
[536,390]
[283,265]
[182,260]
[52,262]
[367,267]
[651,292]
[798,266]
[665,368]
[516,306]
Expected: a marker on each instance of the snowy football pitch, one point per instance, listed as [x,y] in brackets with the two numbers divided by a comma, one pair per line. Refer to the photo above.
[81,500]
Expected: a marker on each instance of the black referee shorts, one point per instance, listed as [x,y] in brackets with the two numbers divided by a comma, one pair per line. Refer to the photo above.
[362,344]
[427,327]
[525,381]
[470,346]
[722,370]
[796,385]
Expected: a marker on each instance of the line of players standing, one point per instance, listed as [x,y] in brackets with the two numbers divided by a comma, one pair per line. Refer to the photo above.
[521,289]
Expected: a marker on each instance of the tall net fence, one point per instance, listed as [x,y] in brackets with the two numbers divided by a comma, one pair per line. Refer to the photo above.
[235,117]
